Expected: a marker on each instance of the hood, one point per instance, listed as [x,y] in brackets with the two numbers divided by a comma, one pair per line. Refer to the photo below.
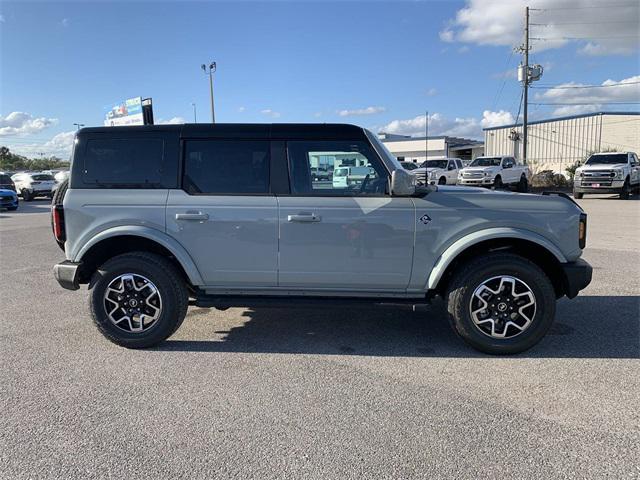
[601,166]
[4,191]
[453,189]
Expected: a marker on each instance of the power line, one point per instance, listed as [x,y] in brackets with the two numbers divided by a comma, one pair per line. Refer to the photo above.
[589,103]
[565,87]
[585,7]
[504,82]
[582,23]
[583,38]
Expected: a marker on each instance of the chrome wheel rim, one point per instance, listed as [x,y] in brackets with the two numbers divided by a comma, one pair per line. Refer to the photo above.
[502,307]
[133,303]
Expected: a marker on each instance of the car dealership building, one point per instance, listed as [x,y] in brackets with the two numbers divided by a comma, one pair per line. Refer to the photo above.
[557,143]
[415,149]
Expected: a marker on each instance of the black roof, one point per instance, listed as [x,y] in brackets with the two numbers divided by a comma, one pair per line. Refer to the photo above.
[243,130]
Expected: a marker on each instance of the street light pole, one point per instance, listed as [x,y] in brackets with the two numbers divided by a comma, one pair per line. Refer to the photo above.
[79,125]
[195,118]
[211,69]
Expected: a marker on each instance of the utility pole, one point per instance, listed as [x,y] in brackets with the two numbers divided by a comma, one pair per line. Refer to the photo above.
[525,99]
[426,147]
[195,118]
[79,125]
[211,69]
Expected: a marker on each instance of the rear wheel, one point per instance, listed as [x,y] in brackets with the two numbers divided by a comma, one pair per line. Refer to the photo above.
[577,195]
[523,185]
[501,303]
[138,299]
[626,190]
[26,195]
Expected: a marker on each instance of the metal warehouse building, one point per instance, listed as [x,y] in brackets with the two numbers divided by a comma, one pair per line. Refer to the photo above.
[412,149]
[560,142]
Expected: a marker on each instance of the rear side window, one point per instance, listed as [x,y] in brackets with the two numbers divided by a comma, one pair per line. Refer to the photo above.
[125,161]
[226,167]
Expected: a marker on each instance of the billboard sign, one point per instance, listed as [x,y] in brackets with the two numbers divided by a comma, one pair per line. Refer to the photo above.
[128,112]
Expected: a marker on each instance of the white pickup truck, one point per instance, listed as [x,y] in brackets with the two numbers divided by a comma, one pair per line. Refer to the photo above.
[441,171]
[496,172]
[608,173]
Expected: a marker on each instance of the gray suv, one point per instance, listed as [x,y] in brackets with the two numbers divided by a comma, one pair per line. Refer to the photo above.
[157,218]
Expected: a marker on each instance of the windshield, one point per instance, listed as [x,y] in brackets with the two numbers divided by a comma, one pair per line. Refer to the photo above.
[42,177]
[610,159]
[409,165]
[435,164]
[341,172]
[486,162]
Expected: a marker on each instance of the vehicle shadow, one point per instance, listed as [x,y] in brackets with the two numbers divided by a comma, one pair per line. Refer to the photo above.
[586,327]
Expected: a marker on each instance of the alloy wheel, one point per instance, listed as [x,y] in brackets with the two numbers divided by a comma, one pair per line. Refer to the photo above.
[132,302]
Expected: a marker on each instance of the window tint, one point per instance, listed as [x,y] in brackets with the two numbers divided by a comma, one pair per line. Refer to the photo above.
[350,168]
[4,179]
[41,177]
[124,161]
[459,164]
[226,167]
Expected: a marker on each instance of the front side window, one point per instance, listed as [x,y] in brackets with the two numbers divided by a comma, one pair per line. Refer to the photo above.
[124,161]
[219,167]
[352,168]
[508,162]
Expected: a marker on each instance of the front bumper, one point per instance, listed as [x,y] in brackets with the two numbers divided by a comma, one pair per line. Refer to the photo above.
[577,276]
[604,186]
[9,202]
[67,274]
[475,181]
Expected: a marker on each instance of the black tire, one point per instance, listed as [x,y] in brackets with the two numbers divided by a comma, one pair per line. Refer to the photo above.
[12,209]
[577,195]
[26,195]
[57,199]
[523,185]
[626,190]
[167,279]
[471,275]
[442,181]
[497,183]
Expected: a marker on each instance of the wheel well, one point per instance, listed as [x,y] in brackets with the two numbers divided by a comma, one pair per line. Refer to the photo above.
[532,251]
[113,246]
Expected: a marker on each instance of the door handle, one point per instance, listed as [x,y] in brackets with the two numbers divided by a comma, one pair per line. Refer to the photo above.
[197,216]
[304,218]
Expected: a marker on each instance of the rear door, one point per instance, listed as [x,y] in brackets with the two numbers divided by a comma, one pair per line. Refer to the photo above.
[353,237]
[224,214]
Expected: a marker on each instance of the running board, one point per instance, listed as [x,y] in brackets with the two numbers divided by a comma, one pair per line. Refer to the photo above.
[280,301]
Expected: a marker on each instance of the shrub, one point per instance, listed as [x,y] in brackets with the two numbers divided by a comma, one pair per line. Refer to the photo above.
[548,179]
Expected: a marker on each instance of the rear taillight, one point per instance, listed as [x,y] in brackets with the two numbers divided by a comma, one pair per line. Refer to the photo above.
[57,215]
[582,231]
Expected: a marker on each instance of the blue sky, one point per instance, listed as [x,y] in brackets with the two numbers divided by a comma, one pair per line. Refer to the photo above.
[377,64]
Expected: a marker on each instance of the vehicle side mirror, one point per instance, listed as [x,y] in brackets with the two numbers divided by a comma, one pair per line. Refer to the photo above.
[403,183]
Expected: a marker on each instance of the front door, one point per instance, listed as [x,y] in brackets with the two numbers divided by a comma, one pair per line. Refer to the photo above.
[224,216]
[348,235]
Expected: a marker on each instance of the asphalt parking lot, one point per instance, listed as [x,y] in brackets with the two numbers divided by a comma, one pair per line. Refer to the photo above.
[322,394]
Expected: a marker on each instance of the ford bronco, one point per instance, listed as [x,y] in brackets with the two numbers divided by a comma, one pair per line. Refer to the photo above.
[156,218]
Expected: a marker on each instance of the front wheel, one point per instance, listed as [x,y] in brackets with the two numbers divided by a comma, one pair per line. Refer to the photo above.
[497,183]
[442,181]
[501,303]
[626,190]
[577,195]
[138,299]
[27,196]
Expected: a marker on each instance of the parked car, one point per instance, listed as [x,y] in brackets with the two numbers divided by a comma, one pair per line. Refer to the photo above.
[350,176]
[8,198]
[320,174]
[441,171]
[6,183]
[496,172]
[608,173]
[409,165]
[156,225]
[32,185]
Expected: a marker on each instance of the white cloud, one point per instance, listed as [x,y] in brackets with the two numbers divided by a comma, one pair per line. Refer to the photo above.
[21,123]
[317,114]
[590,98]
[598,31]
[432,92]
[241,109]
[441,125]
[171,121]
[59,146]
[271,113]
[64,22]
[463,49]
[361,111]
